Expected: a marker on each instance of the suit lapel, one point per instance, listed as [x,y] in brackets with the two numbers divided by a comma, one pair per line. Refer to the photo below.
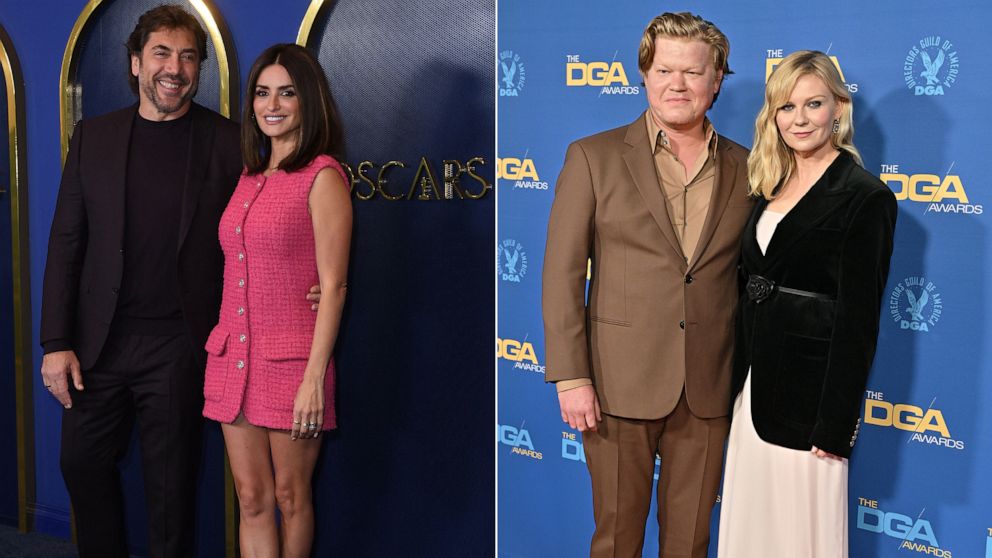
[750,251]
[200,142]
[723,186]
[115,166]
[816,206]
[640,164]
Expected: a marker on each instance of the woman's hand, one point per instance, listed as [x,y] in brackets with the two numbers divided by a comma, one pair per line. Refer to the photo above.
[825,454]
[308,408]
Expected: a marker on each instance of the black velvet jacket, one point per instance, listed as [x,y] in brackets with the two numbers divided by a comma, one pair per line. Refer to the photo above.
[808,323]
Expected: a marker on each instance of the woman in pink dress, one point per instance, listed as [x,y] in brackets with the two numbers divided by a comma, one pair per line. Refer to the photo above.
[270,371]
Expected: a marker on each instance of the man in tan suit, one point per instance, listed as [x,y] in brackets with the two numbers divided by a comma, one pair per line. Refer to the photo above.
[658,207]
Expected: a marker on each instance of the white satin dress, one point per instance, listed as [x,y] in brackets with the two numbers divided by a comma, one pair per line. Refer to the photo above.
[778,502]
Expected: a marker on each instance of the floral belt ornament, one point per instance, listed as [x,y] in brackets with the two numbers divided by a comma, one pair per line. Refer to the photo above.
[759,288]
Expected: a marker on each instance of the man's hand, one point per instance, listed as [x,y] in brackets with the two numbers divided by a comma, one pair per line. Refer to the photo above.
[56,367]
[314,297]
[580,408]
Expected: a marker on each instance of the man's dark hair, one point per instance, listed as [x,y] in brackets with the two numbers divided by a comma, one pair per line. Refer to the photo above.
[320,125]
[167,16]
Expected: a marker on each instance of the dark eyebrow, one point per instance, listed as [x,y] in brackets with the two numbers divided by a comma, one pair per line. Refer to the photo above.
[280,88]
[168,49]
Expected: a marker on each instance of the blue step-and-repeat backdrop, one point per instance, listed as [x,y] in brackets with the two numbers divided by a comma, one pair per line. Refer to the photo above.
[920,483]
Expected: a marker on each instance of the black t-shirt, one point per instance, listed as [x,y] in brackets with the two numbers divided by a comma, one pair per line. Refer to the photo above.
[158,157]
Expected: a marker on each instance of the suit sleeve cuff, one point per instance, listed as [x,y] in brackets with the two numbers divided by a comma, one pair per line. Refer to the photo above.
[835,440]
[565,385]
[55,345]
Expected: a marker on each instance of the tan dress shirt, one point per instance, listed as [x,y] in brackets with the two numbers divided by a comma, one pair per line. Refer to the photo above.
[687,190]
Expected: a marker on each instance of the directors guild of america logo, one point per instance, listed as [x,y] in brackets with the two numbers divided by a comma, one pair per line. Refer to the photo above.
[511,261]
[931,66]
[915,304]
[511,74]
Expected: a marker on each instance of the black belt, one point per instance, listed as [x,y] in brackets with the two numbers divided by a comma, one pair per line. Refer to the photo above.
[760,288]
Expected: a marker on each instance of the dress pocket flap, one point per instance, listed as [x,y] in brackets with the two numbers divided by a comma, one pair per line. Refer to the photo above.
[217,342]
[277,347]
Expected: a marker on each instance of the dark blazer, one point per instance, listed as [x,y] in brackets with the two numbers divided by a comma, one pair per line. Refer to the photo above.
[85,249]
[653,324]
[810,343]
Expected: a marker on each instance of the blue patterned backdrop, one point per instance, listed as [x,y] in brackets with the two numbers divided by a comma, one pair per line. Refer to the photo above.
[919,480]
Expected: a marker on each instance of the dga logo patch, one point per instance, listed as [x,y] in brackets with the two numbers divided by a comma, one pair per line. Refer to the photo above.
[915,304]
[511,74]
[520,353]
[776,55]
[571,447]
[511,261]
[519,440]
[914,534]
[926,426]
[610,77]
[523,173]
[941,194]
[931,66]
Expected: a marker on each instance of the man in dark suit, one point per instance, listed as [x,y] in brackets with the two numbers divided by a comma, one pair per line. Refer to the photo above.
[132,288]
[643,368]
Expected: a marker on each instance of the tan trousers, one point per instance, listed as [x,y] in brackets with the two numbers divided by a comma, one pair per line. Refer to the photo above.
[620,457]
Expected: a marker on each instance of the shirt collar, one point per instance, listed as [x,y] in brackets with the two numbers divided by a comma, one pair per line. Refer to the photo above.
[659,140]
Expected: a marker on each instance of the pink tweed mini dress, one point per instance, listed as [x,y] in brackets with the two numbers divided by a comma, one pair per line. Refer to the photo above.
[258,352]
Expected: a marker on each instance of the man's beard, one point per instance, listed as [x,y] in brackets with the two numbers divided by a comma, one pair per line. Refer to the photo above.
[163,106]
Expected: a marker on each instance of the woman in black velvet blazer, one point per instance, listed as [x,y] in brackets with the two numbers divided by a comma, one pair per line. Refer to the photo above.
[807,326]
[808,322]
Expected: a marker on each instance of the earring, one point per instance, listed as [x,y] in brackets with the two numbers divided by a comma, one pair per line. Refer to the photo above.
[836,125]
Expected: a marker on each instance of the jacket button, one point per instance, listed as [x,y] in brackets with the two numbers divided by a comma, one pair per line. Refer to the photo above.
[688,279]
[682,324]
[115,290]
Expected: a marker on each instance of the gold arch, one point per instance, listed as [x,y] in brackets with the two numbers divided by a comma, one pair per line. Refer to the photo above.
[23,377]
[314,11]
[217,31]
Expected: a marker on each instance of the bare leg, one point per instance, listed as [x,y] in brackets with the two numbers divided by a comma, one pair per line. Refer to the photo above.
[294,461]
[248,450]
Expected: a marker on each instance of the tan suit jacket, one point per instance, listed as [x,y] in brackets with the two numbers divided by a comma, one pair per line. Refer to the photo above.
[654,323]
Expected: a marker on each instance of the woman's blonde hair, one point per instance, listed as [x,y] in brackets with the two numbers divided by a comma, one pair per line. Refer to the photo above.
[771,161]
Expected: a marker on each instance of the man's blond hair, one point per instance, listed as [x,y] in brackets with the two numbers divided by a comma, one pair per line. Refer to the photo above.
[688,27]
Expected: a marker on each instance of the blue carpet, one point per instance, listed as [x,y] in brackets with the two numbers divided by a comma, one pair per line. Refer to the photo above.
[14,544]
